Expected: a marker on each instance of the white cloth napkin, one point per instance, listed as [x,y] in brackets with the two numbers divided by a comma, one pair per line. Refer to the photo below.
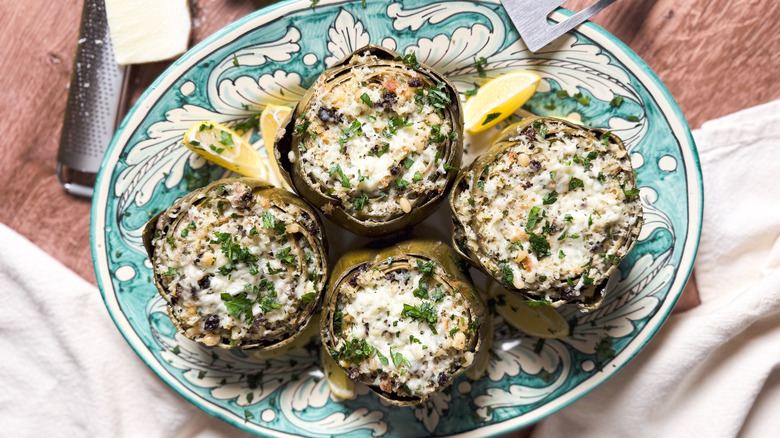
[713,371]
[67,371]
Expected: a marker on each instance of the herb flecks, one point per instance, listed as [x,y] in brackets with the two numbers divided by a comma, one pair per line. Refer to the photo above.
[490,117]
[425,312]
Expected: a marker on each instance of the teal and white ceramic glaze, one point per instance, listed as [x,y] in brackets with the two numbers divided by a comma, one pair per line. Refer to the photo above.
[279,52]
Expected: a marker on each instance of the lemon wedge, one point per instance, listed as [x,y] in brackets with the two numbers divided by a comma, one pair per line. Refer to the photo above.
[482,359]
[335,377]
[538,321]
[498,99]
[225,147]
[270,121]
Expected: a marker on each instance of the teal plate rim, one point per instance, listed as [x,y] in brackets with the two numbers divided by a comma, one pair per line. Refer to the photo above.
[694,213]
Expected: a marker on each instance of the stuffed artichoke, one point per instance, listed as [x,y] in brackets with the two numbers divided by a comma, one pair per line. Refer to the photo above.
[375,143]
[240,263]
[404,320]
[549,210]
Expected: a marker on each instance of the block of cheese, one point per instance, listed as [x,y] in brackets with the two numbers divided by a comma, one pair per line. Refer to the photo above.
[148,30]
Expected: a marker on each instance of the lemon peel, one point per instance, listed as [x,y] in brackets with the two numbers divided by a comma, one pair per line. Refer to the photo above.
[223,146]
[498,99]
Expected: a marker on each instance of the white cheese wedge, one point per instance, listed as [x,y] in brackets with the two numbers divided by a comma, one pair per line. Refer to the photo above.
[148,30]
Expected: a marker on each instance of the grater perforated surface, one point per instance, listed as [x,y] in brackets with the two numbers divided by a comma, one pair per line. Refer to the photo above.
[94,94]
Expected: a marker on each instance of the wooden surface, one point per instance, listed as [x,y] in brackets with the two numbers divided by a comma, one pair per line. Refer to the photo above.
[716,57]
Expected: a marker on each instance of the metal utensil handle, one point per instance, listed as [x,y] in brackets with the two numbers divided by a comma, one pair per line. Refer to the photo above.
[94,99]
[530,19]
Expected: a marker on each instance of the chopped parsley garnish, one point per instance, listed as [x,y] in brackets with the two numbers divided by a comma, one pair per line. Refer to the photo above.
[344,180]
[408,162]
[303,129]
[601,177]
[590,220]
[216,149]
[490,117]
[380,152]
[438,295]
[270,222]
[186,231]
[481,184]
[410,60]
[401,183]
[337,322]
[267,304]
[575,183]
[355,128]
[605,138]
[447,167]
[550,198]
[226,139]
[170,272]
[422,290]
[354,351]
[616,102]
[472,92]
[426,312]
[480,64]
[361,177]
[610,258]
[367,100]
[436,135]
[539,245]
[399,359]
[562,93]
[540,128]
[632,192]
[533,218]
[453,331]
[285,256]
[561,254]
[238,304]
[584,100]
[393,125]
[235,253]
[417,176]
[438,96]
[568,218]
[507,274]
[426,268]
[382,358]
[359,203]
[253,231]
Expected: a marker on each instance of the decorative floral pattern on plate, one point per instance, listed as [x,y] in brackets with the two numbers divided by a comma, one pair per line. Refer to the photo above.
[271,57]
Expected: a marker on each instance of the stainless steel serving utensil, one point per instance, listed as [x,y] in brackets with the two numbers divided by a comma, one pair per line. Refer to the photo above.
[530,19]
[94,102]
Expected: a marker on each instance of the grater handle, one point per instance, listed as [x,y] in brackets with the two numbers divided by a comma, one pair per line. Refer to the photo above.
[94,100]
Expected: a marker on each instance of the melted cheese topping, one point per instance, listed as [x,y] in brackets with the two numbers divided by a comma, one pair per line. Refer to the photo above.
[550,212]
[411,355]
[374,138]
[235,268]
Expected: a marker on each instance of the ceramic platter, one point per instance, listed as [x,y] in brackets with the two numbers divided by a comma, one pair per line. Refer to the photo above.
[280,51]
